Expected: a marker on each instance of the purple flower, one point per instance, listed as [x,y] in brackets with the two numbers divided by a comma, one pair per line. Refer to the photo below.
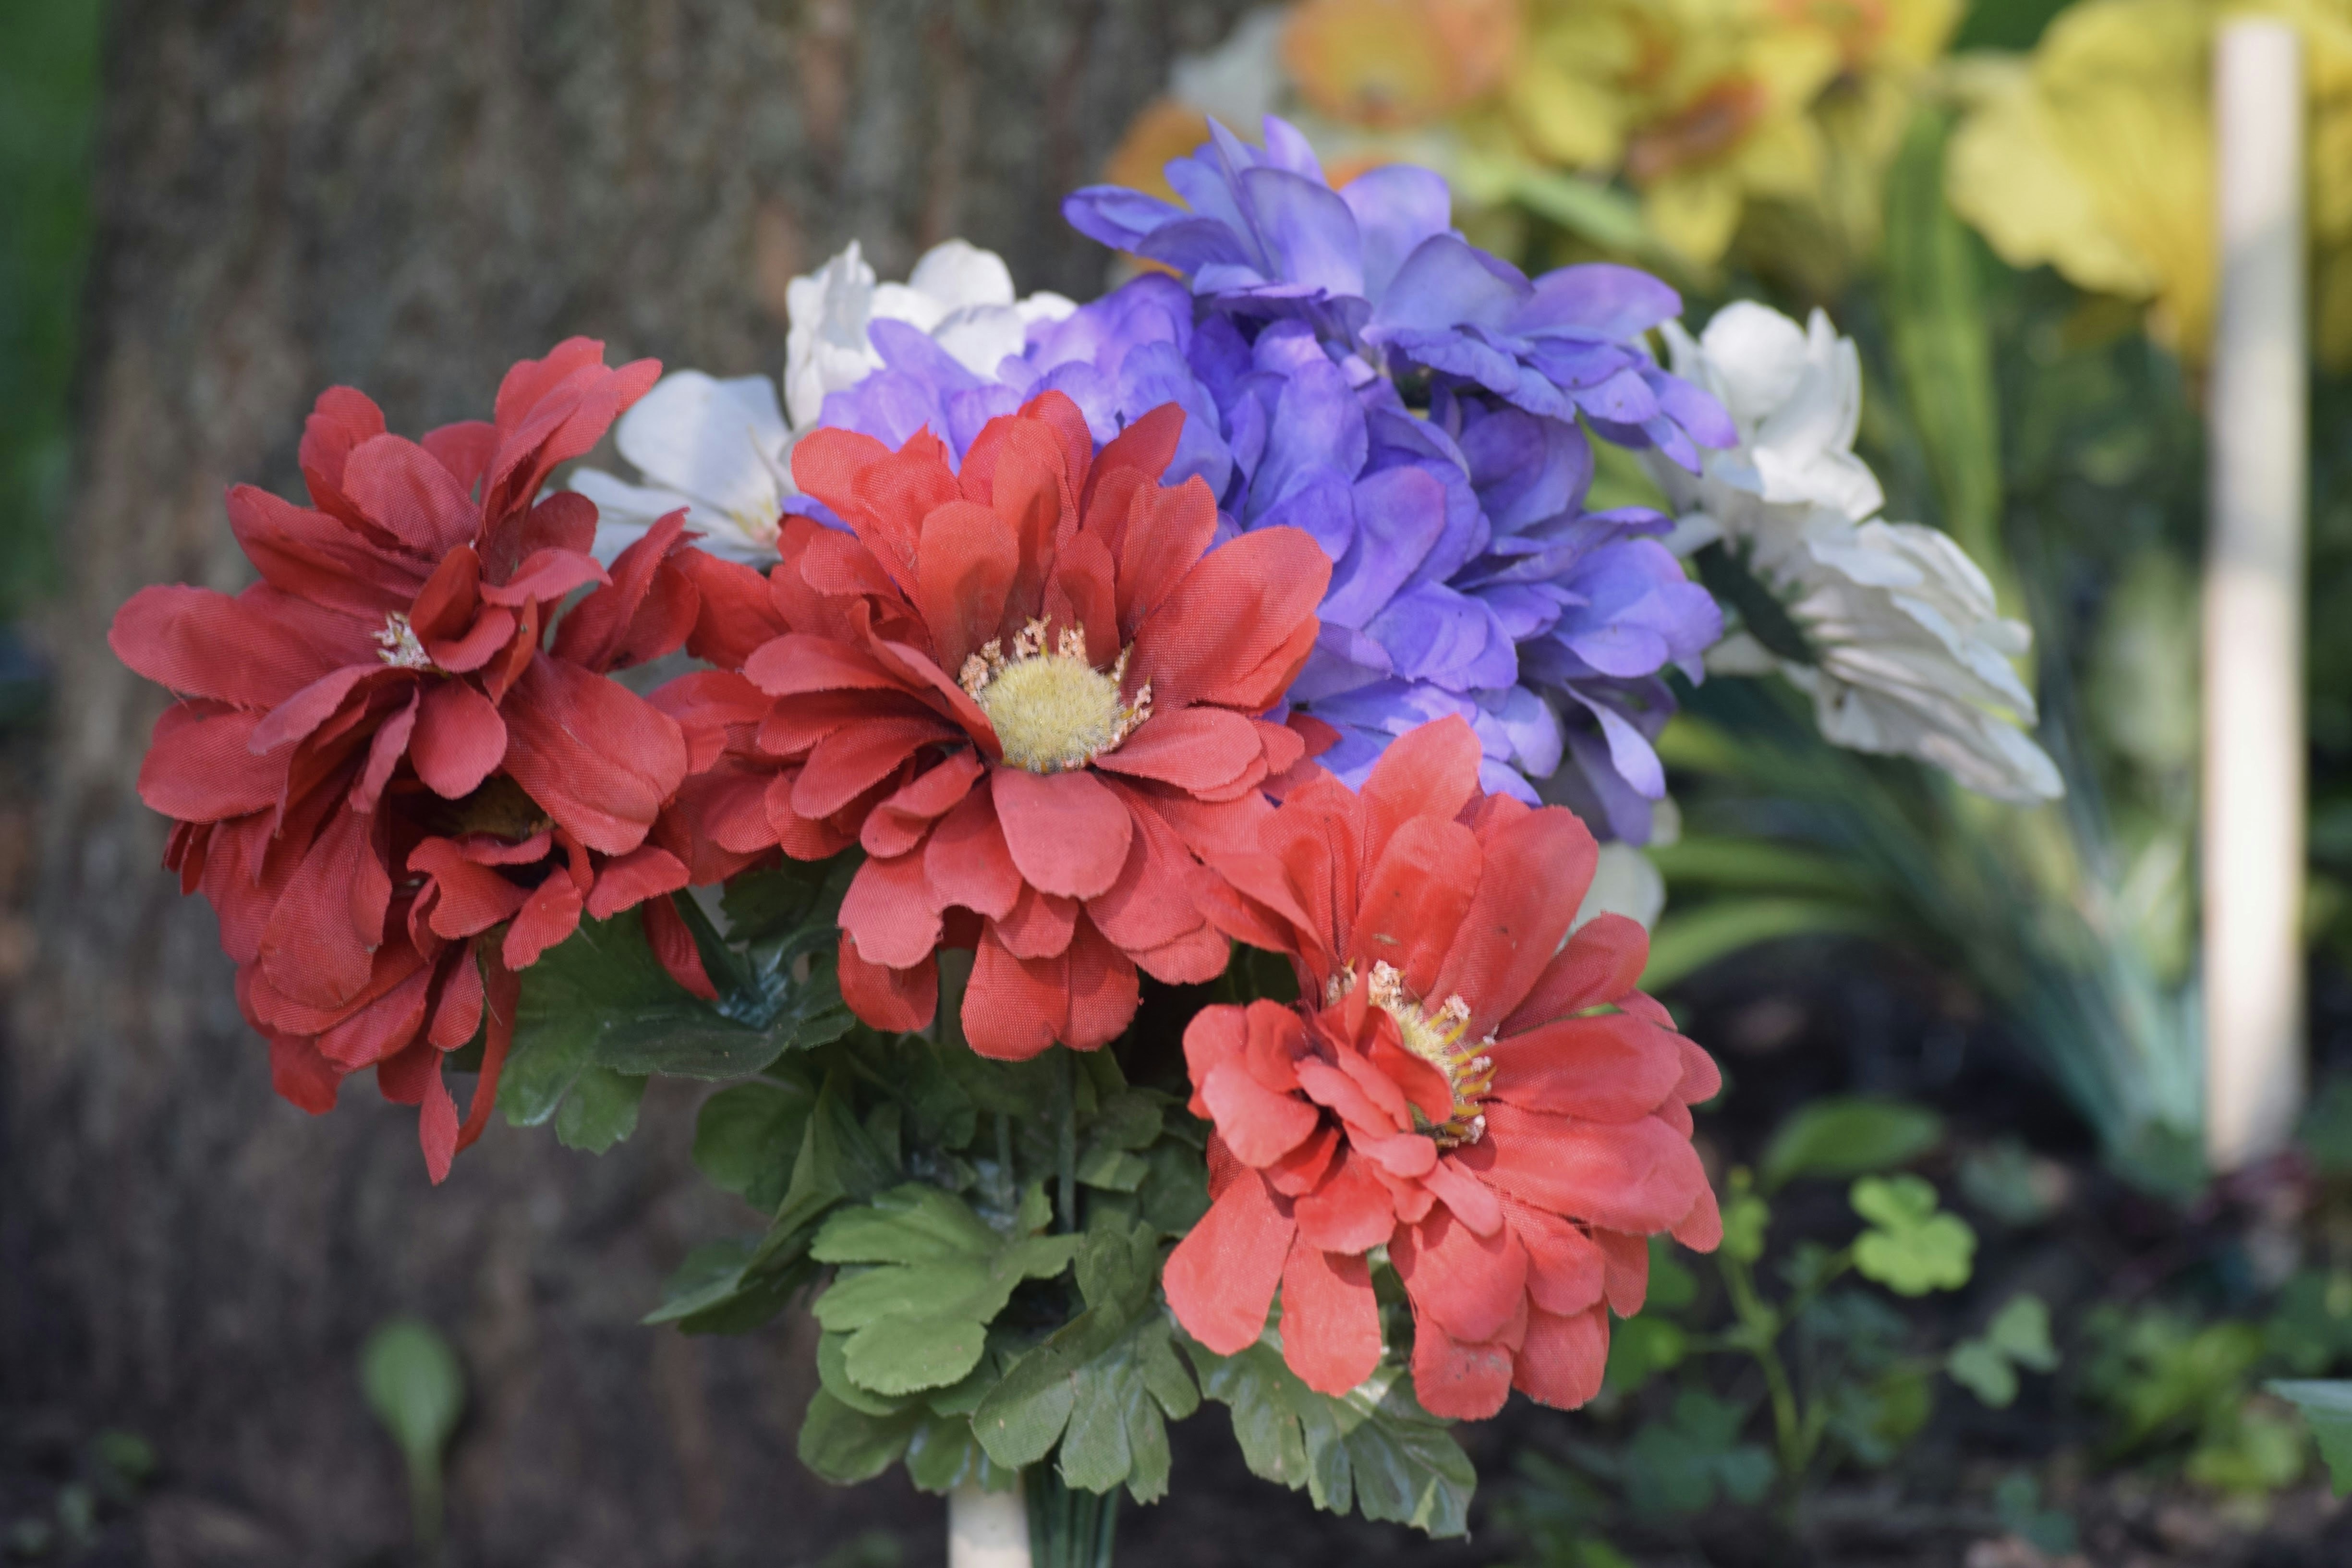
[1467,577]
[1376,267]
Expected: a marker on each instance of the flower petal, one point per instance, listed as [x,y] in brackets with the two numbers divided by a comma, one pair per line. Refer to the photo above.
[1066,832]
[1221,1277]
[1331,1319]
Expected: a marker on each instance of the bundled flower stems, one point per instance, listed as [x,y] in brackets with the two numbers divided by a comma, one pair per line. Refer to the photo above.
[1118,817]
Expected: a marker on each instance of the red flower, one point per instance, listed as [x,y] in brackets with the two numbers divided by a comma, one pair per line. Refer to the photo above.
[1029,689]
[378,754]
[1508,1116]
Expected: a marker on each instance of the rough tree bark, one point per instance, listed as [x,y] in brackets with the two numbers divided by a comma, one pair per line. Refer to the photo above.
[407,197]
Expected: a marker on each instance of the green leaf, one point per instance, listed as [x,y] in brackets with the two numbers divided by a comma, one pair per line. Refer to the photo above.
[417,1388]
[782,980]
[919,1319]
[839,1161]
[747,1138]
[1751,864]
[1943,345]
[2017,1336]
[1849,1137]
[2256,1452]
[1640,1348]
[845,1445]
[1373,1448]
[1911,1248]
[942,1455]
[600,1109]
[1686,944]
[601,1000]
[1984,1372]
[723,1288]
[1874,1418]
[2326,1407]
[1681,1464]
[1746,1217]
[1103,1386]
[1174,1193]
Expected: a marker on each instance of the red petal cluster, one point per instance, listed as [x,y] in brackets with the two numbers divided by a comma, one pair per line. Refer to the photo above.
[379,753]
[845,714]
[1512,1150]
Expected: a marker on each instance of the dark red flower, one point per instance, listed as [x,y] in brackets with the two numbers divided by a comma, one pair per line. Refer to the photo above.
[379,754]
[1028,689]
[1463,1082]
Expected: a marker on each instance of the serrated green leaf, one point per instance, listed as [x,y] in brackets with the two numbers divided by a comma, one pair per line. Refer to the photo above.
[1848,1137]
[1174,1192]
[601,1000]
[2327,1408]
[846,1446]
[942,1455]
[601,1110]
[911,1224]
[746,1139]
[919,1318]
[1911,1248]
[1373,1449]
[1112,1170]
[1100,1385]
[832,1372]
[839,1161]
[1127,1119]
[717,1291]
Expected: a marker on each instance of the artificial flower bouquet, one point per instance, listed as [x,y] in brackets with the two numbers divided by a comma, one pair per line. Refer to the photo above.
[1113,789]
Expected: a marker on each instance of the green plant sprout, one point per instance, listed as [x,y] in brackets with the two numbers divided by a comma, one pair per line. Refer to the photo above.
[417,1388]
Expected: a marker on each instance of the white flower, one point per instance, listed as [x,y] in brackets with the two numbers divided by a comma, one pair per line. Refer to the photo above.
[961,295]
[715,447]
[1625,880]
[1911,654]
[722,449]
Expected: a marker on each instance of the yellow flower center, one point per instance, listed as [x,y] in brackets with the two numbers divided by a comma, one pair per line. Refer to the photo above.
[1053,711]
[1437,1039]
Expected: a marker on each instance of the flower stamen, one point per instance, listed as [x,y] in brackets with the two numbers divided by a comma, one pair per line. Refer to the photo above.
[399,643]
[1053,711]
[1437,1038]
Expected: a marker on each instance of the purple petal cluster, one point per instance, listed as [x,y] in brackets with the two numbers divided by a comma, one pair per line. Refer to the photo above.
[1353,369]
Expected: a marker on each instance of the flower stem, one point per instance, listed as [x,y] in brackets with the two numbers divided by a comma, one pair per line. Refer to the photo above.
[1065,1135]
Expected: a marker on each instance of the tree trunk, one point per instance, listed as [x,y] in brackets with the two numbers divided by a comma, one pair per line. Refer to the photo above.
[406,198]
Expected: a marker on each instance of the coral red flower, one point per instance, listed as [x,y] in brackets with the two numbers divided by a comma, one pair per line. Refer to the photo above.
[1029,689]
[1508,1116]
[379,754]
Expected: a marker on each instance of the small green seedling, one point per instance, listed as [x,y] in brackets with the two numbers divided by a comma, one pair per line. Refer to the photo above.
[417,1389]
[1910,1248]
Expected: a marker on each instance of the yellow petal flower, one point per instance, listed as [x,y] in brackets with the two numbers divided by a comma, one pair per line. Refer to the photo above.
[1392,63]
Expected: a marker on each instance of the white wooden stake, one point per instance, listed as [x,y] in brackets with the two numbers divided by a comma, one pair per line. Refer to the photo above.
[2253,702]
[987,1530]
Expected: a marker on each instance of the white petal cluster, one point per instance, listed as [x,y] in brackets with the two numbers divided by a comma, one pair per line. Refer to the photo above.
[722,449]
[1913,656]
